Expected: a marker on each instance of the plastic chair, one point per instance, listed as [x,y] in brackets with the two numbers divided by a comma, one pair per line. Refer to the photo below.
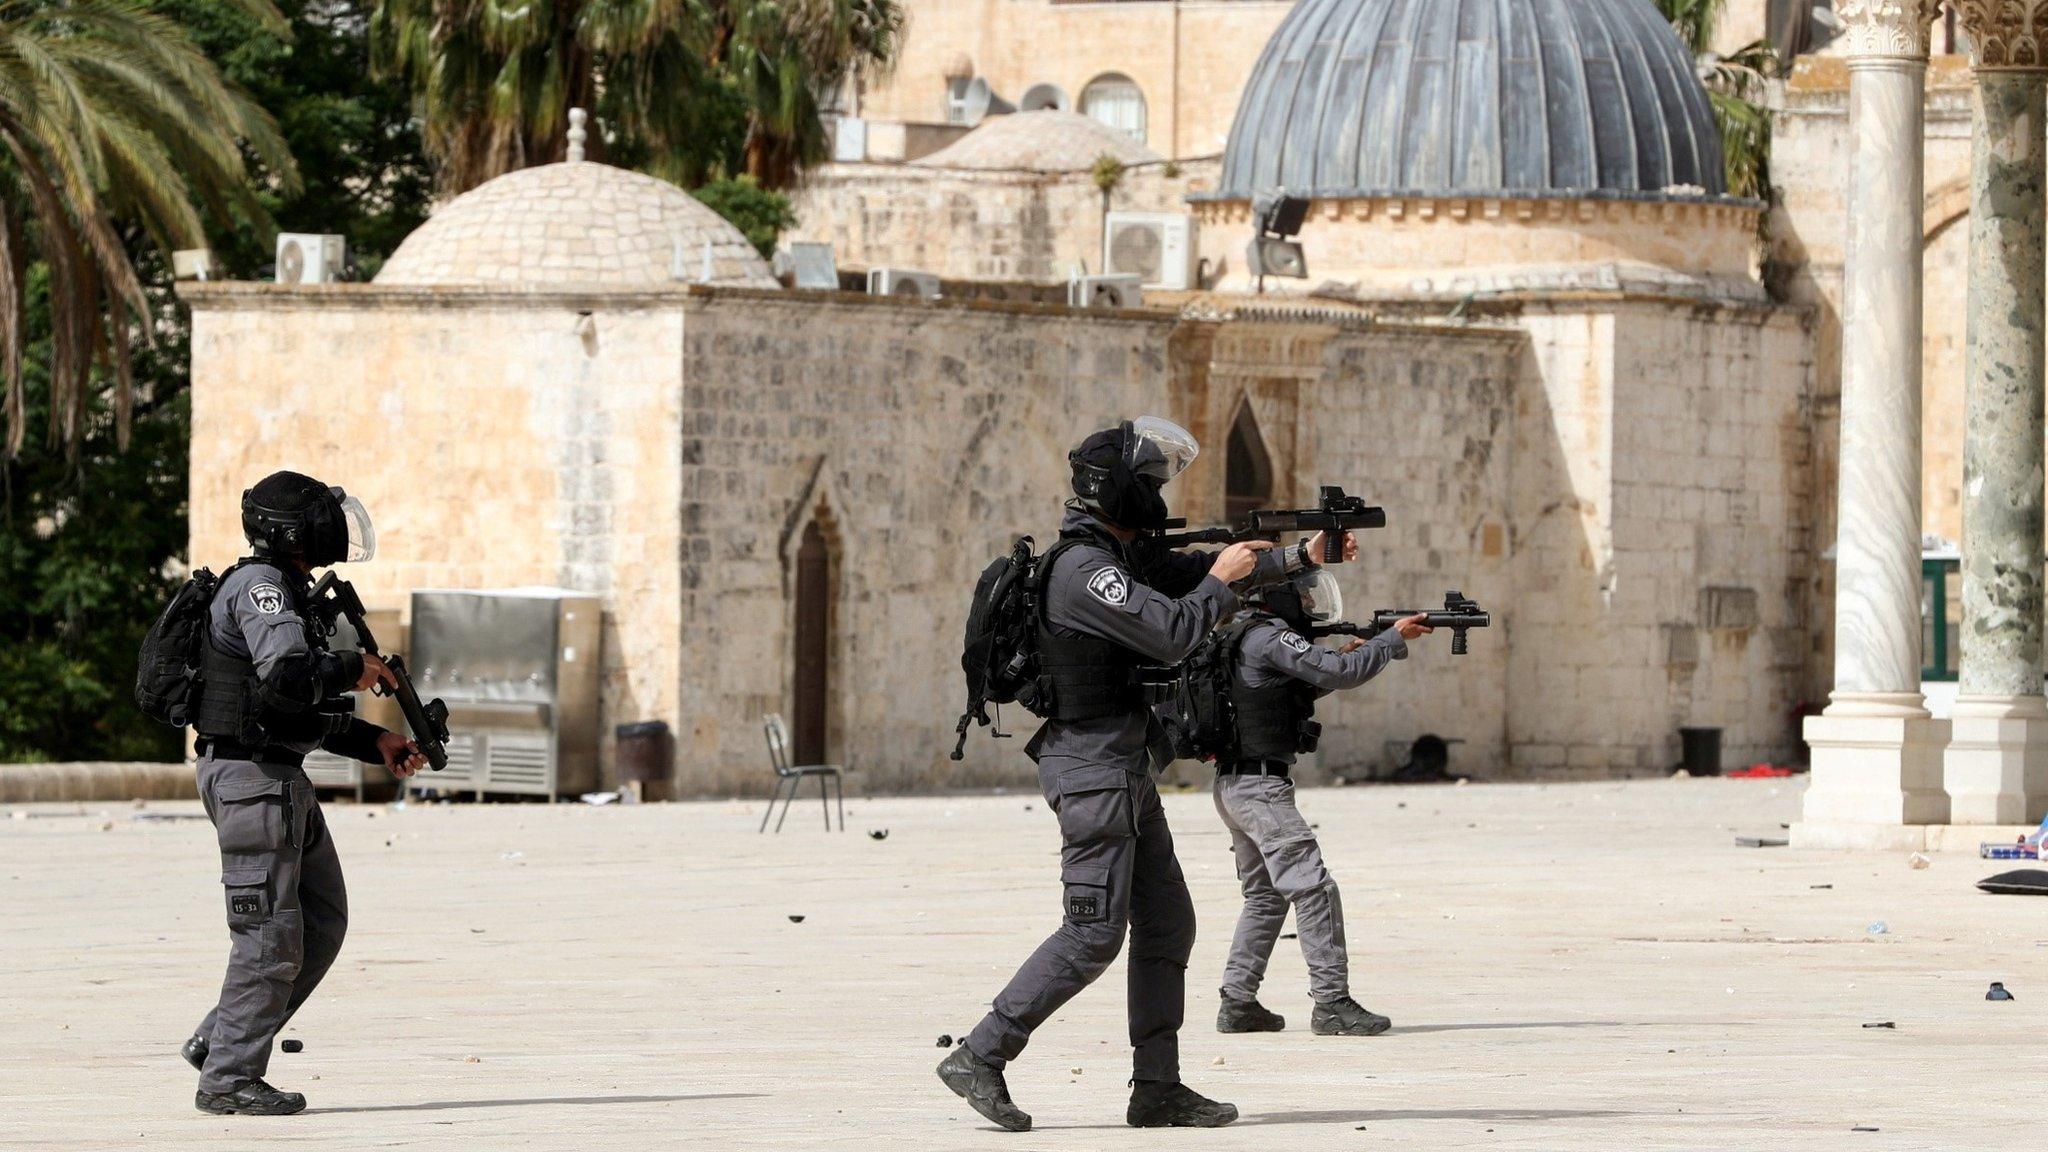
[829,777]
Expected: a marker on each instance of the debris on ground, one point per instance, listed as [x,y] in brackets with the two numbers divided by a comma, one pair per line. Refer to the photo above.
[512,856]
[1883,1024]
[1997,992]
[878,833]
[1860,1128]
[1216,1063]
[1819,887]
[1918,861]
[2018,882]
[599,799]
[293,1045]
[796,918]
[1878,928]
[1759,772]
[945,1041]
[1761,842]
[1290,936]
[1074,1071]
[472,1059]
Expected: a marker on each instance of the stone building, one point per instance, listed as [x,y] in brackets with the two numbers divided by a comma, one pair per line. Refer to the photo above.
[1597,429]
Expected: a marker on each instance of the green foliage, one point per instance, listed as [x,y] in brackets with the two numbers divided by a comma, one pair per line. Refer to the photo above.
[109,114]
[759,213]
[91,548]
[1737,86]
[689,90]
[1107,172]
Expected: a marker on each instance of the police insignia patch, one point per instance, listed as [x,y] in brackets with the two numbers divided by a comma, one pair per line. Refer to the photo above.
[267,598]
[1083,907]
[1296,641]
[245,905]
[1110,587]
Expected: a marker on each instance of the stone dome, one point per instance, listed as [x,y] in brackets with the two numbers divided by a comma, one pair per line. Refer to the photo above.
[1355,98]
[577,224]
[1047,140]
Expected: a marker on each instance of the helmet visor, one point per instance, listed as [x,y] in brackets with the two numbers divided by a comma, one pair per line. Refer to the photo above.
[362,536]
[1321,599]
[1158,448]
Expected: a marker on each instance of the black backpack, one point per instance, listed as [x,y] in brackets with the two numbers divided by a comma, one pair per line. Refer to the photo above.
[167,669]
[1199,714]
[1000,655]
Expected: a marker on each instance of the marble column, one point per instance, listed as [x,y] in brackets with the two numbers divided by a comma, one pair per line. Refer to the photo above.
[1997,764]
[1877,753]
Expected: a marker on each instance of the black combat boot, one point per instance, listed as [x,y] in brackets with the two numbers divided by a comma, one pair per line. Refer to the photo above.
[254,1098]
[195,1051]
[1247,1016]
[1347,1017]
[1156,1104]
[981,1084]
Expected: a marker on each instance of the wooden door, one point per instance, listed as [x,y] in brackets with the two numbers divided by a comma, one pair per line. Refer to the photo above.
[813,646]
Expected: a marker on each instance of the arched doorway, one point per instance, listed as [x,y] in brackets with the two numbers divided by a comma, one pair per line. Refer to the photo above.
[1247,468]
[813,646]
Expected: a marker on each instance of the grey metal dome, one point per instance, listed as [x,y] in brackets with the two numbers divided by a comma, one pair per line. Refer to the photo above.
[1516,97]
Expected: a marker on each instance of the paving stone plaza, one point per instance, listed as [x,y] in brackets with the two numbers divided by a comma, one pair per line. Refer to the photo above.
[1591,965]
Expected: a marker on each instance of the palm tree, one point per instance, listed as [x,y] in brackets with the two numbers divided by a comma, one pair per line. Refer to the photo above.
[1737,86]
[109,117]
[686,89]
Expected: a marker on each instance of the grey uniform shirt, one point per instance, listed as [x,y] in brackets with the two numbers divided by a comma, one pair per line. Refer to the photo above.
[1273,653]
[255,616]
[1093,591]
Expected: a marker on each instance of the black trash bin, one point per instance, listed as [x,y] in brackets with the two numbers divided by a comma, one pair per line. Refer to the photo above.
[645,753]
[1702,750]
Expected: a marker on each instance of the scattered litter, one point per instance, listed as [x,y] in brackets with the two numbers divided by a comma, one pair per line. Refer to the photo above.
[512,856]
[1883,1024]
[1758,772]
[599,799]
[370,815]
[106,825]
[1462,781]
[472,1059]
[1862,1129]
[1290,936]
[1997,992]
[17,814]
[1074,1071]
[1216,1063]
[878,833]
[1918,861]
[2018,882]
[1027,807]
[293,1045]
[1818,887]
[1761,842]
[1680,774]
[1989,851]
[477,931]
[796,918]
[1878,928]
[945,1041]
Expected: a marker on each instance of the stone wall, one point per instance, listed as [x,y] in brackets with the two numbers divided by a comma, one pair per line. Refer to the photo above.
[973,225]
[1190,60]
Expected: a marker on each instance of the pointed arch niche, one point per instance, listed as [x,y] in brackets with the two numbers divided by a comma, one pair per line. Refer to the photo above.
[1247,467]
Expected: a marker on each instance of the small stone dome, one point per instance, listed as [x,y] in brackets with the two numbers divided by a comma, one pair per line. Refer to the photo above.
[578,224]
[1356,98]
[1047,140]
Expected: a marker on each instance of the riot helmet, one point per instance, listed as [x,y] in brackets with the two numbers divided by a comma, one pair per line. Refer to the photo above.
[1305,600]
[1119,471]
[292,515]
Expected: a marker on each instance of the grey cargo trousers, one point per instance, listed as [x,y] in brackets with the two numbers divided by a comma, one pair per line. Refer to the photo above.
[1118,873]
[1279,864]
[287,909]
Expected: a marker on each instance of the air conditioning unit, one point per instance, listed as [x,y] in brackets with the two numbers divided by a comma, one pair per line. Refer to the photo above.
[307,258]
[849,140]
[902,282]
[1120,291]
[1156,247]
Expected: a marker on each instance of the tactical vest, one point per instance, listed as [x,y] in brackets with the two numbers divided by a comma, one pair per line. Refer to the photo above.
[1082,677]
[232,698]
[1274,721]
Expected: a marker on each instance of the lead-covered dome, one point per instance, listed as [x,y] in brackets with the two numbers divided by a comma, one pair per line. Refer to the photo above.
[1359,98]
[577,224]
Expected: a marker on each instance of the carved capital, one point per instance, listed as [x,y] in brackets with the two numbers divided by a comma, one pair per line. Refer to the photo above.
[2005,34]
[1890,29]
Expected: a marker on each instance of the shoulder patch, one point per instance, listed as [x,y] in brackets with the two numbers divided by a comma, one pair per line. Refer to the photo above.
[1110,586]
[267,599]
[1295,641]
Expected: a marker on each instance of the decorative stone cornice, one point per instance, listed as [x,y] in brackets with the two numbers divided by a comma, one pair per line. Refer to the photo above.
[1886,29]
[2005,34]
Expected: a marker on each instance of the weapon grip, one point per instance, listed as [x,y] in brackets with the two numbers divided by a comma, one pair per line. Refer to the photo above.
[1333,546]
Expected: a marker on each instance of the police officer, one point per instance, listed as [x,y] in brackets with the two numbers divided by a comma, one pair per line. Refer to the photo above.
[1279,673]
[1111,605]
[270,692]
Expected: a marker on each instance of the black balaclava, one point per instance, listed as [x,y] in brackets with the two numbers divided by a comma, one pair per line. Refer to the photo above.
[1107,484]
[1284,600]
[289,515]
